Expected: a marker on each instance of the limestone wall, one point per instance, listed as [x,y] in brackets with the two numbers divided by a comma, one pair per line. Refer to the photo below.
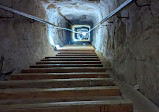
[23,41]
[132,46]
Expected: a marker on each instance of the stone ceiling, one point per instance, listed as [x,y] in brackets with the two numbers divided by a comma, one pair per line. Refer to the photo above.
[83,10]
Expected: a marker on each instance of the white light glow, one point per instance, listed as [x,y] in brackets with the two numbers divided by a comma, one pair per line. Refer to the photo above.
[57,46]
[51,40]
[74,39]
[50,35]
[84,33]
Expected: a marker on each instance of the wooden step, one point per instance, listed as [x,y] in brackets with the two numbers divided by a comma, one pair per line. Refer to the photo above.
[64,70]
[73,81]
[76,106]
[76,54]
[36,76]
[58,92]
[57,83]
[71,59]
[65,65]
[76,50]
[51,100]
[69,62]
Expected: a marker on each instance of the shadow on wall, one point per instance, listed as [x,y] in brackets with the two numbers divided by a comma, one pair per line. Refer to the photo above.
[3,66]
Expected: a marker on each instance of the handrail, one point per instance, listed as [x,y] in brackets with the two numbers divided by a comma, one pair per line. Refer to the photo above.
[46,22]
[33,17]
[112,14]
[25,15]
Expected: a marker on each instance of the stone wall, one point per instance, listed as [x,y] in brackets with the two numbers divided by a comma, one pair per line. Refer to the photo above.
[56,36]
[132,46]
[23,41]
[100,32]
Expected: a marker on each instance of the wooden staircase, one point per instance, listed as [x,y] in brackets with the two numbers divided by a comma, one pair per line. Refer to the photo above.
[73,81]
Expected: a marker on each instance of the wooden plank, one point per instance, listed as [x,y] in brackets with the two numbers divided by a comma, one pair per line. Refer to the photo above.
[71,59]
[36,76]
[65,65]
[57,83]
[59,92]
[76,54]
[79,106]
[64,70]
[53,100]
[76,50]
[69,62]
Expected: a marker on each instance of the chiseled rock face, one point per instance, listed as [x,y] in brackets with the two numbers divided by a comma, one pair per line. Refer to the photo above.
[22,41]
[132,46]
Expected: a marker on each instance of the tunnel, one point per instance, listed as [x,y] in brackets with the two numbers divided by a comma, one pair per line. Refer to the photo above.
[126,43]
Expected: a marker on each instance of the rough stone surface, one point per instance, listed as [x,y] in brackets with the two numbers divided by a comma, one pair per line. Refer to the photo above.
[71,12]
[23,41]
[131,46]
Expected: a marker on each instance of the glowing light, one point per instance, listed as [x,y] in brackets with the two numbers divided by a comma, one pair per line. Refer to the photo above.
[57,46]
[51,40]
[50,35]
[74,39]
[84,33]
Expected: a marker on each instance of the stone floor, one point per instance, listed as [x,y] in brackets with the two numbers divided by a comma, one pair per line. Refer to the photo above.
[140,102]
